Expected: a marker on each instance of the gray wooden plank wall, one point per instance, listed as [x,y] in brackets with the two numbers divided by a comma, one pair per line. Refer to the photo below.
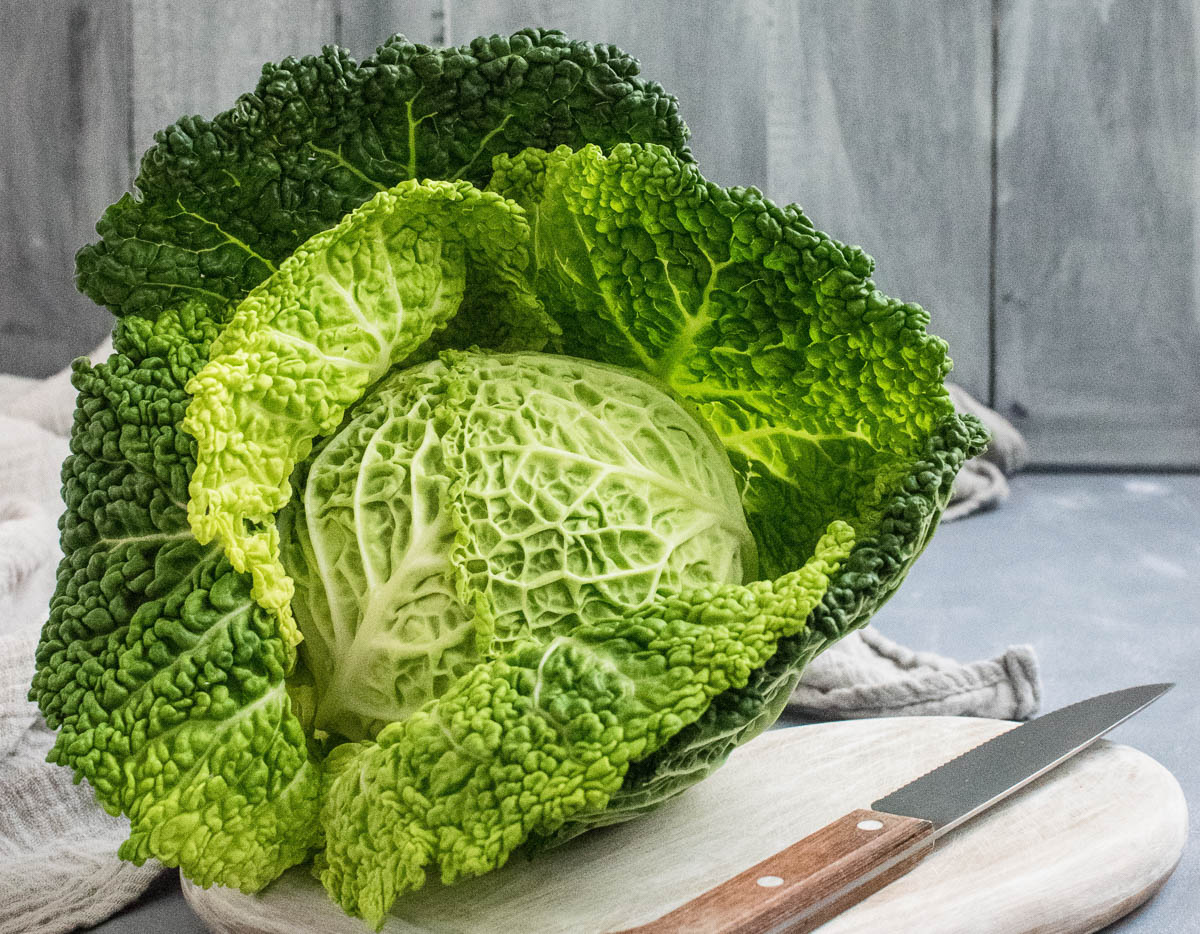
[1098,225]
[1027,171]
[65,153]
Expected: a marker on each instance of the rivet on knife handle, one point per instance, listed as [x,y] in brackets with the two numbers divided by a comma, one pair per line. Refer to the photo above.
[808,883]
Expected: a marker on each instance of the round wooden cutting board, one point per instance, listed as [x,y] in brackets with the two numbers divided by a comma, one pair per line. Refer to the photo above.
[1070,853]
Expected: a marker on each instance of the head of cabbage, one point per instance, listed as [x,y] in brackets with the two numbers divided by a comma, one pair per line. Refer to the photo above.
[482,500]
[469,471]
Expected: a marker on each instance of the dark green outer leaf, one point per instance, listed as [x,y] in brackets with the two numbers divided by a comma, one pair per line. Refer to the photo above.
[164,680]
[221,202]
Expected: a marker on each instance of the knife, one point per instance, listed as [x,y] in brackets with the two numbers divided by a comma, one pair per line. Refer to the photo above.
[839,865]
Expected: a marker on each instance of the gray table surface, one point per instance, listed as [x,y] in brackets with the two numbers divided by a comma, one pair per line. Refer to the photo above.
[1099,572]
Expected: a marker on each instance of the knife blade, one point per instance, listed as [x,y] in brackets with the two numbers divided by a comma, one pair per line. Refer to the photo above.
[820,876]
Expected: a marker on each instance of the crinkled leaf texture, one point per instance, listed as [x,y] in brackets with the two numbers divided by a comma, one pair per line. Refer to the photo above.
[222,202]
[163,677]
[342,310]
[168,664]
[480,500]
[523,743]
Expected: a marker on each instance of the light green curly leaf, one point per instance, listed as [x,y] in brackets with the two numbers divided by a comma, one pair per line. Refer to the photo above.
[820,387]
[352,302]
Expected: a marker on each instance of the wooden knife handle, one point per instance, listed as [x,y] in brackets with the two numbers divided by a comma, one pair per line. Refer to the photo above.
[810,882]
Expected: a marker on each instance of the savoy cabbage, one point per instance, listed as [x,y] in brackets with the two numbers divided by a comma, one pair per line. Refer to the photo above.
[481,500]
[469,471]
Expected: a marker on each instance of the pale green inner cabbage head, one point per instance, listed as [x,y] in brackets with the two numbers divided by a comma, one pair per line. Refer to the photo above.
[478,500]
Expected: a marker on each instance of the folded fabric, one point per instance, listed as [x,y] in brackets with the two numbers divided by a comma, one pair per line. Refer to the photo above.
[58,864]
[58,868]
[868,675]
[47,403]
[981,483]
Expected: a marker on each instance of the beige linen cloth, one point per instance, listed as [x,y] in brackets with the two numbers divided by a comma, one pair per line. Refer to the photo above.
[58,869]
